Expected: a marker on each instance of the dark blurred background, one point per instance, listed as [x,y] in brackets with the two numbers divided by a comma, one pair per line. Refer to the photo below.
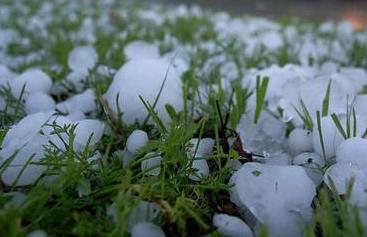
[351,10]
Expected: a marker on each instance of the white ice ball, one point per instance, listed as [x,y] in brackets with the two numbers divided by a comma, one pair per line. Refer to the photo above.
[82,58]
[300,140]
[145,78]
[141,50]
[151,165]
[136,140]
[88,129]
[33,80]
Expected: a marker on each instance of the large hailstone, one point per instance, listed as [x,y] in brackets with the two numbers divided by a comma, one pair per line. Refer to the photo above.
[354,151]
[33,80]
[82,58]
[136,140]
[141,50]
[88,132]
[300,140]
[144,78]
[278,196]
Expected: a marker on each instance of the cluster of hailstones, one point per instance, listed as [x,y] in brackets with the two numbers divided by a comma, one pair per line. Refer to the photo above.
[276,190]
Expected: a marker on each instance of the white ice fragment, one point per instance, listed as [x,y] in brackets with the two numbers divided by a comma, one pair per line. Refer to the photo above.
[141,50]
[146,229]
[300,140]
[38,102]
[312,163]
[151,164]
[341,175]
[331,138]
[145,78]
[82,58]
[231,226]
[136,140]
[88,132]
[196,150]
[144,212]
[279,196]
[84,102]
[33,80]
[353,151]
[19,171]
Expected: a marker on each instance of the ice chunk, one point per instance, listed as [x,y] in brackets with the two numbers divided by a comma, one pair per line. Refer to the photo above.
[331,138]
[354,151]
[82,58]
[300,140]
[39,102]
[144,78]
[84,102]
[33,80]
[146,229]
[88,132]
[269,189]
[136,140]
[312,163]
[151,165]
[231,226]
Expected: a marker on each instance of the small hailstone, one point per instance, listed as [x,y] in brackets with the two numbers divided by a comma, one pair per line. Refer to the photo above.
[312,163]
[37,233]
[331,137]
[202,169]
[16,198]
[76,79]
[39,102]
[88,128]
[299,141]
[83,188]
[82,58]
[144,78]
[200,148]
[84,102]
[146,229]
[144,212]
[231,226]
[136,140]
[354,151]
[75,116]
[151,164]
[141,50]
[33,80]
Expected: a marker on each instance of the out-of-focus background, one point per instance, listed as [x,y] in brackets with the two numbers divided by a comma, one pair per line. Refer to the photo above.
[354,11]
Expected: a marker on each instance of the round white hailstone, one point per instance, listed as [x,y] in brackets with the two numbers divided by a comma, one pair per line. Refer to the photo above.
[231,226]
[201,169]
[33,80]
[136,140]
[269,189]
[144,212]
[82,58]
[354,151]
[32,151]
[84,102]
[88,129]
[26,128]
[37,233]
[342,175]
[144,78]
[200,149]
[39,102]
[16,198]
[300,140]
[126,156]
[141,50]
[146,229]
[312,163]
[151,164]
[331,138]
